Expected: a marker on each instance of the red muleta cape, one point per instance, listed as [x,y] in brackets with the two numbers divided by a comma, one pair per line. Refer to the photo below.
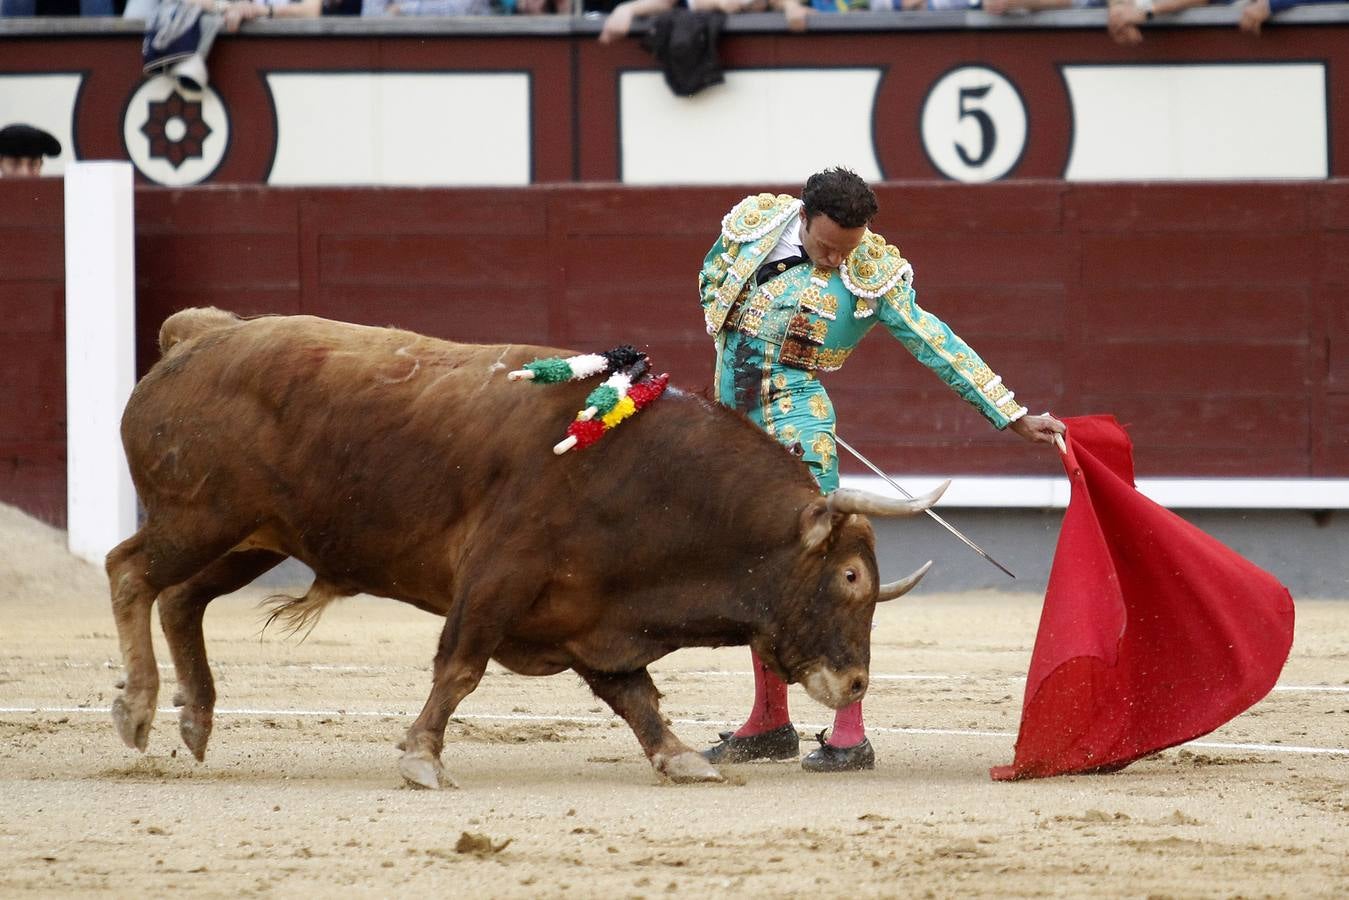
[1152,632]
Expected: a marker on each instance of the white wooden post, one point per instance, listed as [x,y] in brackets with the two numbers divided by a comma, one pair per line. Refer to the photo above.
[100,354]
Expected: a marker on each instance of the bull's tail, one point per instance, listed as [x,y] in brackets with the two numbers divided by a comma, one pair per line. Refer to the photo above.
[189,323]
[299,615]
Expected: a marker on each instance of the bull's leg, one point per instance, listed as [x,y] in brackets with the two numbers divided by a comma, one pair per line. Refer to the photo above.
[138,569]
[634,697]
[181,608]
[132,596]
[460,661]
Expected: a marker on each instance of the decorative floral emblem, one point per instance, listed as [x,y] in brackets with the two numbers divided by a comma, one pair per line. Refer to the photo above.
[176,129]
[175,136]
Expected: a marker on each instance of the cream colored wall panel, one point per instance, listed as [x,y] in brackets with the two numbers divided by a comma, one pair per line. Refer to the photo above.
[762,125]
[1218,121]
[401,128]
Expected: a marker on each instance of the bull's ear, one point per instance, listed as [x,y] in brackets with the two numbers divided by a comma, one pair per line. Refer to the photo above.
[817,521]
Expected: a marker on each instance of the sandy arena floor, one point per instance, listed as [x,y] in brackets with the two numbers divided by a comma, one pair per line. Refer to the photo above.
[300,793]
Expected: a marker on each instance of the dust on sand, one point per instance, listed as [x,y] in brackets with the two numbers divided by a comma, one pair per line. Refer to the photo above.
[300,794]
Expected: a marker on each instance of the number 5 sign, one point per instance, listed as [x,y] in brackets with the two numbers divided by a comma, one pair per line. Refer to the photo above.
[974,124]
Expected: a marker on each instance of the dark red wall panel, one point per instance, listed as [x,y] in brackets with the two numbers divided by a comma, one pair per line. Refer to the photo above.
[33,347]
[1209,318]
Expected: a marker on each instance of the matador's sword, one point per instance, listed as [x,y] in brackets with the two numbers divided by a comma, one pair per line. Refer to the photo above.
[936,518]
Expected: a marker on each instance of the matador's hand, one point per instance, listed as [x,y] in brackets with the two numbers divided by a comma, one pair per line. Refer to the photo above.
[1040,429]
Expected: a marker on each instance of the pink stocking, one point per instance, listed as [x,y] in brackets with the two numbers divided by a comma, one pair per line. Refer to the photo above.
[848,728]
[770,701]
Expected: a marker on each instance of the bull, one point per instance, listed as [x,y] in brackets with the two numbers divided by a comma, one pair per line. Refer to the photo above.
[407,467]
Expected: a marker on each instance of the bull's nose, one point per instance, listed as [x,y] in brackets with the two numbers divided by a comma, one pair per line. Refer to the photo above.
[858,687]
[836,688]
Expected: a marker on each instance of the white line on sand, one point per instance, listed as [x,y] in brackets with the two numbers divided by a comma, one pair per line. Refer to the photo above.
[604,720]
[698,673]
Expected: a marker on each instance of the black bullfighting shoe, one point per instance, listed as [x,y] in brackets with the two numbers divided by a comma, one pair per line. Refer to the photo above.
[828,758]
[780,743]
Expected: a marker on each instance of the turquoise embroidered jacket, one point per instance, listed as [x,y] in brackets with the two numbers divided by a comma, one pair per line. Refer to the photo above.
[817,316]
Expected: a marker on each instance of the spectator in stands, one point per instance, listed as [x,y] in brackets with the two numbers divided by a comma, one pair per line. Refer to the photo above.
[911,5]
[1256,13]
[619,22]
[1125,16]
[22,149]
[426,8]
[236,12]
[1001,7]
[28,8]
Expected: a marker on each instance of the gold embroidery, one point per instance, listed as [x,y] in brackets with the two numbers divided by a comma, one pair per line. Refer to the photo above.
[789,432]
[752,218]
[816,301]
[785,403]
[874,267]
[752,320]
[800,355]
[804,327]
[780,381]
[818,408]
[823,445]
[831,360]
[766,201]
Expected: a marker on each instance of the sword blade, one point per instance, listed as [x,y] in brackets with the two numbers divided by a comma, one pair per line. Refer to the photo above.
[936,518]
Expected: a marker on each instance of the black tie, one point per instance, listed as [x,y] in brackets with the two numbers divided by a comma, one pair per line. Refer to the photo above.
[778,266]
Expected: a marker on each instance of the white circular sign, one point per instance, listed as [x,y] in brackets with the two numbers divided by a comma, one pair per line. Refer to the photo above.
[175,136]
[974,124]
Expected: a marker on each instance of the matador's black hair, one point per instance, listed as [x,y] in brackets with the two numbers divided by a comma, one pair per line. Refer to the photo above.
[840,194]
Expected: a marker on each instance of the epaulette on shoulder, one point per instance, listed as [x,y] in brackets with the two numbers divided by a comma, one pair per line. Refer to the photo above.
[874,268]
[757,215]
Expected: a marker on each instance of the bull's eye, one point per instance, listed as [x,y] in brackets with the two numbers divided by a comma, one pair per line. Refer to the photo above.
[850,574]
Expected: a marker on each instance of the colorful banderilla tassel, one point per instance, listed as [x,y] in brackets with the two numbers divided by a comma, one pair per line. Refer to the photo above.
[572,368]
[586,429]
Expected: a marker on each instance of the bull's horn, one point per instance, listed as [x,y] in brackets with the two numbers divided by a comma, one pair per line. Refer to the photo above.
[903,586]
[846,500]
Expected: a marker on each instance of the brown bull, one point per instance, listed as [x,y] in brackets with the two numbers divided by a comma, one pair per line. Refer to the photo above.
[412,468]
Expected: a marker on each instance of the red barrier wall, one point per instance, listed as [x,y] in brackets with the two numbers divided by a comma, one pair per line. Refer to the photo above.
[1207,317]
[33,348]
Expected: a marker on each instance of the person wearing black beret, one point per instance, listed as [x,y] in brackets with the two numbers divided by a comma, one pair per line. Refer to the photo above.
[22,149]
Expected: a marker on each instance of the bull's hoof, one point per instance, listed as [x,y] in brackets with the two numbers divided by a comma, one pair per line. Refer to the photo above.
[688,767]
[133,724]
[424,772]
[194,725]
